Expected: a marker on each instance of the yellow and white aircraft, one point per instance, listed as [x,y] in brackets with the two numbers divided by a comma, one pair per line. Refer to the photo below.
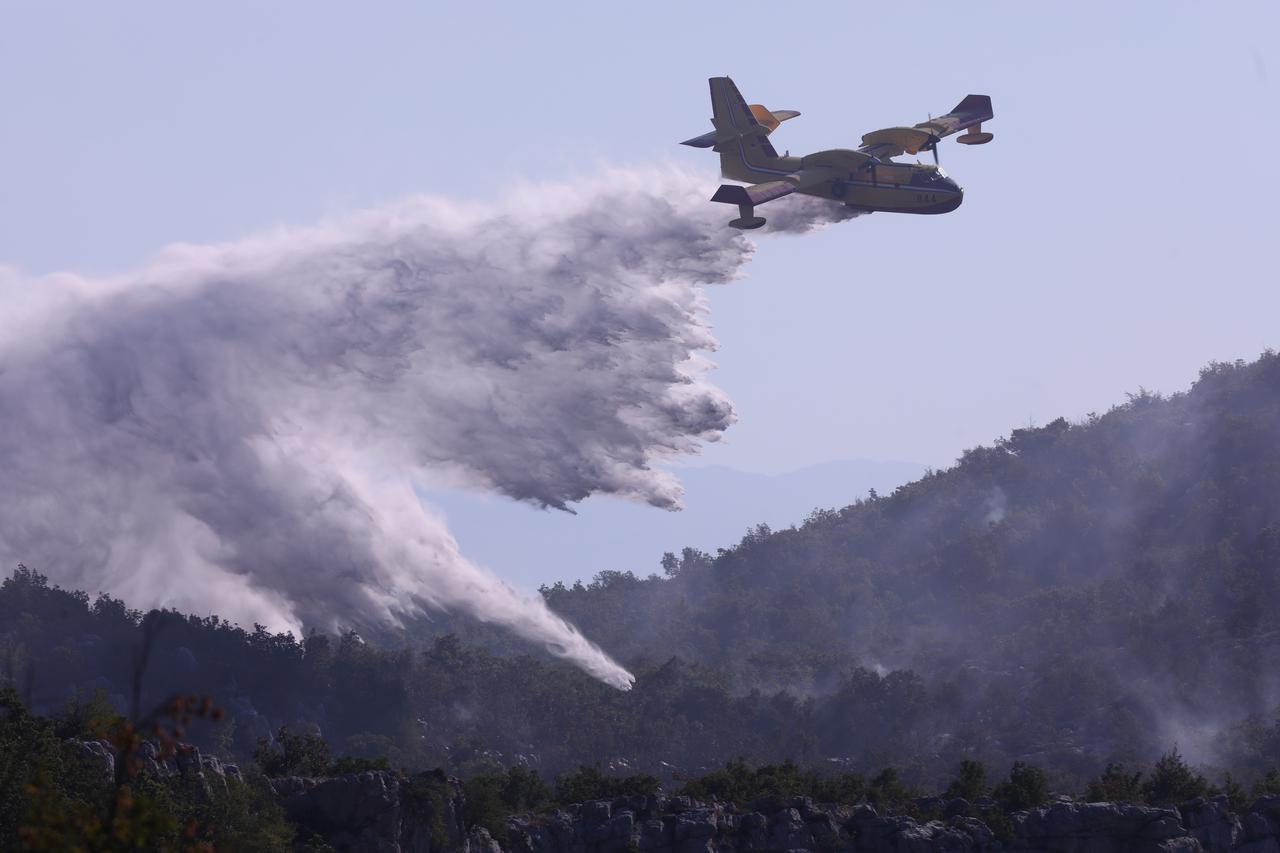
[866,178]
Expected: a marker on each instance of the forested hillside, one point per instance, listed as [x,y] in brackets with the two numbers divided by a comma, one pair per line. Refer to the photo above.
[1073,595]
[1085,586]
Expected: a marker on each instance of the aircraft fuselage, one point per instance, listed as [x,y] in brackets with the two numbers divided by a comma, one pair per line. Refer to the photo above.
[891,187]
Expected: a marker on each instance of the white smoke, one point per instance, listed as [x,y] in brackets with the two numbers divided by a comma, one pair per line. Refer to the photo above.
[236,428]
[996,506]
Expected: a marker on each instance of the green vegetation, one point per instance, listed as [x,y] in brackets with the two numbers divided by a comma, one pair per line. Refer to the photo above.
[1171,781]
[491,797]
[1115,785]
[740,783]
[1026,788]
[427,793]
[293,755]
[970,782]
[53,797]
[1269,785]
[888,792]
[289,754]
[589,783]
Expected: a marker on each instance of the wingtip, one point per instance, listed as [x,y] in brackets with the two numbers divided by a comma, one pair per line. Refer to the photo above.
[706,140]
[731,194]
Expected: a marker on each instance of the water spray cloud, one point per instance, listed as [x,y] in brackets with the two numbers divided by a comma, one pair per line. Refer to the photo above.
[236,428]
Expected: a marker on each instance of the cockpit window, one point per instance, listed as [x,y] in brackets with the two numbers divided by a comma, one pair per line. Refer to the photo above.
[927,177]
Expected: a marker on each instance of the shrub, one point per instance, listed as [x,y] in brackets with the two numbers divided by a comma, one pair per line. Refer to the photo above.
[491,797]
[1269,785]
[428,794]
[1172,781]
[886,790]
[72,805]
[739,783]
[292,755]
[524,791]
[1025,788]
[483,806]
[1237,799]
[356,764]
[970,782]
[1115,785]
[588,783]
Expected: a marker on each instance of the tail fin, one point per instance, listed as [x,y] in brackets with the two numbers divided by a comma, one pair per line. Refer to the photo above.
[730,114]
[746,140]
[734,118]
[729,111]
[974,108]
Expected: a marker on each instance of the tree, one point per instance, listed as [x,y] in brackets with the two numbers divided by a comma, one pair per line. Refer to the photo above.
[887,790]
[1025,788]
[490,797]
[1237,799]
[1172,781]
[1268,785]
[670,564]
[1115,785]
[970,782]
[292,755]
[588,783]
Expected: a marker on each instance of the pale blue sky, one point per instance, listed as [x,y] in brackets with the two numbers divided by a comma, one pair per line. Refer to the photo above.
[1118,232]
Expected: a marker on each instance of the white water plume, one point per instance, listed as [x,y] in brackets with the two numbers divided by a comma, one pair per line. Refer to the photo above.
[236,428]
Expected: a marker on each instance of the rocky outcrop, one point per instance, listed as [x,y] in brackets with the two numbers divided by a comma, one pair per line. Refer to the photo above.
[387,813]
[355,812]
[680,825]
[379,811]
[99,758]
[95,757]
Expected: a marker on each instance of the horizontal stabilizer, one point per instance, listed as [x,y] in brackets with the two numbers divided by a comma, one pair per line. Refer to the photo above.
[974,109]
[770,119]
[753,195]
[706,140]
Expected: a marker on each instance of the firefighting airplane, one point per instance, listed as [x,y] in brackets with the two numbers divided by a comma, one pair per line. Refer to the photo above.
[866,179]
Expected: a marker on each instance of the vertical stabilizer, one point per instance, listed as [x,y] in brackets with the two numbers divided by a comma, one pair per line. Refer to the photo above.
[743,142]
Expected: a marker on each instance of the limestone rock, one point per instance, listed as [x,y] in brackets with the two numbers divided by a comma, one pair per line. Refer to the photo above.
[374,812]
[94,757]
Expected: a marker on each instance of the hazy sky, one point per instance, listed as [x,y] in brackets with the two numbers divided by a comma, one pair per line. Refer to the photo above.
[1120,230]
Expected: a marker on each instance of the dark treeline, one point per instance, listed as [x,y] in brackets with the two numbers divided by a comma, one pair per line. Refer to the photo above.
[1076,596]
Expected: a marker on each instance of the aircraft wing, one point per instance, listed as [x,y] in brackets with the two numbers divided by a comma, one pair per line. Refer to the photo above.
[769,190]
[892,141]
[754,194]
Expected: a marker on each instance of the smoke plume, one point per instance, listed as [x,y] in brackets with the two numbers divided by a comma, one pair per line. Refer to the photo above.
[237,428]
